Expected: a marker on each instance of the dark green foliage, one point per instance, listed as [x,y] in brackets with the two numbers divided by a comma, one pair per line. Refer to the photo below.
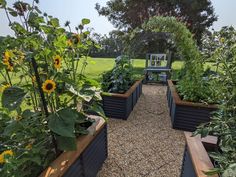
[120,78]
[223,123]
[109,46]
[130,14]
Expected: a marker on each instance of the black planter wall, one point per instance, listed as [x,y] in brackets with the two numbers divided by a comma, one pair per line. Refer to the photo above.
[91,160]
[186,115]
[187,165]
[119,106]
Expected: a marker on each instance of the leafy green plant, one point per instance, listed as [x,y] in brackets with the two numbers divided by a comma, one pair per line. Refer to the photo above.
[120,78]
[223,122]
[191,85]
[41,86]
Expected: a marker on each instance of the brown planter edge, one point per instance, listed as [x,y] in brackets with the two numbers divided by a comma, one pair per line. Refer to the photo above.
[119,106]
[196,148]
[179,101]
[62,163]
[126,94]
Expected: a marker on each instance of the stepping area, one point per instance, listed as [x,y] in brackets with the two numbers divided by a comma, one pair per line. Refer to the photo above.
[145,145]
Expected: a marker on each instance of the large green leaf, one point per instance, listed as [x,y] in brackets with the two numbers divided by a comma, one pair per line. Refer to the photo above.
[12,97]
[12,128]
[63,122]
[66,143]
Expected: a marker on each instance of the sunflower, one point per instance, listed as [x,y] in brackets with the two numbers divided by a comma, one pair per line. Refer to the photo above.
[7,55]
[5,153]
[57,61]
[49,86]
[7,60]
[4,87]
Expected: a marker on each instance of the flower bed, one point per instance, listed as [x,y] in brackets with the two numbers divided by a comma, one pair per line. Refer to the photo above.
[119,106]
[186,115]
[87,159]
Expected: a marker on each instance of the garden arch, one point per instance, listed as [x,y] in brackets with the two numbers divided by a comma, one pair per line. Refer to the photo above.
[192,70]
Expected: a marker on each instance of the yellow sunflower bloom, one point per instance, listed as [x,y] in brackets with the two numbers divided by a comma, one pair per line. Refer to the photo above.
[57,62]
[1,159]
[2,88]
[10,66]
[49,86]
[7,60]
[7,55]
[4,154]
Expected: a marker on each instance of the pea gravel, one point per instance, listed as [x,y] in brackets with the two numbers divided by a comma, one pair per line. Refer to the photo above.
[145,145]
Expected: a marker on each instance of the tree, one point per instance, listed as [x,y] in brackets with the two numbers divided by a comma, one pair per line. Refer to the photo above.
[129,14]
[110,46]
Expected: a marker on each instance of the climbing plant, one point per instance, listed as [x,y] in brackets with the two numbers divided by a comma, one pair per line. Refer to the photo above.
[191,85]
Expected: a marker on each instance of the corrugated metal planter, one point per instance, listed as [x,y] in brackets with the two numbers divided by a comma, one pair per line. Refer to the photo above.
[87,160]
[119,106]
[186,115]
[196,159]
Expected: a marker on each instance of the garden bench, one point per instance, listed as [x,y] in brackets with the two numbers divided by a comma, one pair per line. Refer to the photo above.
[159,64]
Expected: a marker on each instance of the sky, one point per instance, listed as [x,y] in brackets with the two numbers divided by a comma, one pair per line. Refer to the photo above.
[75,10]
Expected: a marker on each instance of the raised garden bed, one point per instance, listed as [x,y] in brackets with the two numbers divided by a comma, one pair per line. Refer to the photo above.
[89,157]
[186,115]
[196,160]
[119,106]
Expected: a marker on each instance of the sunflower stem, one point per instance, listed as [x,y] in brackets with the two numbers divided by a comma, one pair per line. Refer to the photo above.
[35,67]
[9,78]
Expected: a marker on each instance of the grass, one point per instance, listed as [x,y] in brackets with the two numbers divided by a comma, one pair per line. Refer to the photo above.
[96,66]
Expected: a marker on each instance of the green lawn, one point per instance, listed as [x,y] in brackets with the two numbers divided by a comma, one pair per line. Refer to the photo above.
[96,66]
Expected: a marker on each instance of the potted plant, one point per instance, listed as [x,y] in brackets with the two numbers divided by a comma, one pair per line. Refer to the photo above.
[41,87]
[189,101]
[121,91]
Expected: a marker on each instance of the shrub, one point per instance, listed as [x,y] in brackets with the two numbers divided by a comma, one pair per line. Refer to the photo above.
[223,122]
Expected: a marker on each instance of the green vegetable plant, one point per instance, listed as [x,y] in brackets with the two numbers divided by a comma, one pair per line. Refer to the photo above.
[223,122]
[191,84]
[41,85]
[120,78]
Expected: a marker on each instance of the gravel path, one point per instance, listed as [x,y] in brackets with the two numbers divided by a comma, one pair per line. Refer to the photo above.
[145,145]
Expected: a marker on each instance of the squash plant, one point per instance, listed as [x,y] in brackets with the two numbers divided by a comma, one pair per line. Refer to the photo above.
[120,78]
[223,122]
[191,85]
[41,85]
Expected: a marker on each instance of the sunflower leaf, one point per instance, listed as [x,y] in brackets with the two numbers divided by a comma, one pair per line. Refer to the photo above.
[12,97]
[63,122]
